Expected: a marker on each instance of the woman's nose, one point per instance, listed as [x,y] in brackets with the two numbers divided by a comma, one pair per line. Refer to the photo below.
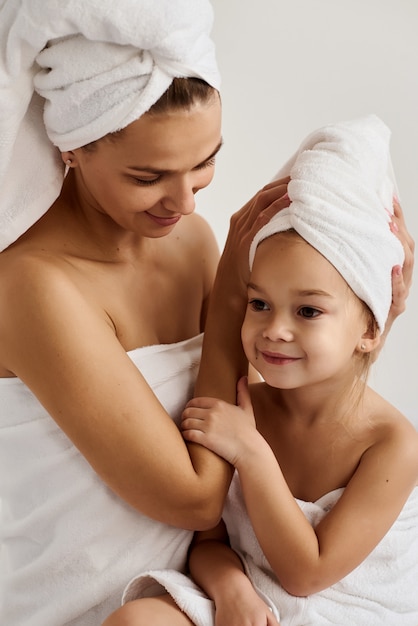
[180,197]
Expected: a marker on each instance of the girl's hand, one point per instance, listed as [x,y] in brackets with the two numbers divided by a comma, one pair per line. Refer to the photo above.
[244,610]
[225,429]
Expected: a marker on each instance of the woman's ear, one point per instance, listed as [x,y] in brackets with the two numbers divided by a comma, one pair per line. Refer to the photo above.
[68,158]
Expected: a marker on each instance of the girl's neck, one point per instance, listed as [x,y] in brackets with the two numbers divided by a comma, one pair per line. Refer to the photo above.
[333,400]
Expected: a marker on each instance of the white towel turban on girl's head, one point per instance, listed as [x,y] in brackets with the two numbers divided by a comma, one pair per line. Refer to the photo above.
[341,188]
[72,71]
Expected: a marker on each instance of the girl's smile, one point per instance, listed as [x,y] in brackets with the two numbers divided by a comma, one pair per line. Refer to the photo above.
[277,358]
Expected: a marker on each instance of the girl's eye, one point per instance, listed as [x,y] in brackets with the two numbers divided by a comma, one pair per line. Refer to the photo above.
[309,312]
[258,305]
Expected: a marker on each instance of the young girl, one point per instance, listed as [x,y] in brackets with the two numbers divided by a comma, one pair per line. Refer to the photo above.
[322,514]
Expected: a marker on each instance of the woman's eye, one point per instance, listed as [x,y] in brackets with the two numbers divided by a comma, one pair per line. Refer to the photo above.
[309,312]
[210,163]
[146,181]
[258,305]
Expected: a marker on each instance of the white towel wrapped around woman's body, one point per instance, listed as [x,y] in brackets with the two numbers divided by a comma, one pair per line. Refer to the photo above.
[382,590]
[70,545]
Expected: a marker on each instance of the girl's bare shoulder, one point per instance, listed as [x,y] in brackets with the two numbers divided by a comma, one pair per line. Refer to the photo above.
[386,417]
[393,433]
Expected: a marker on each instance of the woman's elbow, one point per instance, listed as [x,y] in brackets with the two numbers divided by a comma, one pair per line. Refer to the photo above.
[203,513]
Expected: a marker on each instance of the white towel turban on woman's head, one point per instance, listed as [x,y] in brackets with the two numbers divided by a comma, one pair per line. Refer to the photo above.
[72,71]
[341,188]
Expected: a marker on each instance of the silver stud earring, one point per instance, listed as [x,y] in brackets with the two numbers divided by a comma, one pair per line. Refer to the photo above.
[363,346]
[68,162]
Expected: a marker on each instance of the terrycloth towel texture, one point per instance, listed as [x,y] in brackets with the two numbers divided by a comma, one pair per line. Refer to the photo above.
[90,67]
[382,590]
[341,184]
[70,545]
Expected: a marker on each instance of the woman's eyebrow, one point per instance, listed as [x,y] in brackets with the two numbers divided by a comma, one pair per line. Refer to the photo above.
[214,153]
[154,170]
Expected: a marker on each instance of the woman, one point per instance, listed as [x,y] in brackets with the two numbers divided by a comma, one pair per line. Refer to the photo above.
[98,353]
[104,291]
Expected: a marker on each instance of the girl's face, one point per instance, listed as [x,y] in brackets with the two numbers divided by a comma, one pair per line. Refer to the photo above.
[145,178]
[303,323]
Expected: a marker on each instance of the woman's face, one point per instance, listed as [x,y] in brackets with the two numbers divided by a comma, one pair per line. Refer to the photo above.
[146,177]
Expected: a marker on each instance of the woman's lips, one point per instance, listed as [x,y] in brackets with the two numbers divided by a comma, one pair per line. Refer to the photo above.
[163,221]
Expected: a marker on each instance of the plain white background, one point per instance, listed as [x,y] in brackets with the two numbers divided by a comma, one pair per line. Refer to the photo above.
[291,67]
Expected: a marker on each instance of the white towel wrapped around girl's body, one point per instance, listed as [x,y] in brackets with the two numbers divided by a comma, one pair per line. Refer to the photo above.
[381,590]
[69,544]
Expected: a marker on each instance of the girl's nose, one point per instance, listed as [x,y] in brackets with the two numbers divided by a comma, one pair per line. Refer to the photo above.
[278,329]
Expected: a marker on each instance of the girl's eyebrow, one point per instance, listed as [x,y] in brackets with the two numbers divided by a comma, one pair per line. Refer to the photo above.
[153,170]
[305,293]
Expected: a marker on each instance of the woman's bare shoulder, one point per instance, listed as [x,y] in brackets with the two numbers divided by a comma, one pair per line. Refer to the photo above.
[39,296]
[196,230]
[32,276]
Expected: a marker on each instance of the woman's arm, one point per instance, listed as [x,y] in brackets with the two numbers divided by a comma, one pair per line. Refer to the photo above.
[64,347]
[223,359]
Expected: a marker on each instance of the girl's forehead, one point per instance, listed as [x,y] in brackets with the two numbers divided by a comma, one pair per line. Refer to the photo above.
[286,256]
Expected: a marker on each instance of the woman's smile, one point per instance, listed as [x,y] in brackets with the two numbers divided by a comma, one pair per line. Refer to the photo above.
[163,221]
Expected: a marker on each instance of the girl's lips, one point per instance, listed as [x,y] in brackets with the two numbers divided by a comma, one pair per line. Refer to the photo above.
[278,358]
[163,221]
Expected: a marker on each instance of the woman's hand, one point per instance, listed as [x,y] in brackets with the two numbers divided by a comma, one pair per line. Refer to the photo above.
[246,223]
[401,276]
[223,359]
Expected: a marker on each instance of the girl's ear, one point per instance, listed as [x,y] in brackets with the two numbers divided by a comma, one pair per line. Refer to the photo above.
[370,339]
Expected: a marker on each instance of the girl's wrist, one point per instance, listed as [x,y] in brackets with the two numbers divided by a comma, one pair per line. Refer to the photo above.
[254,454]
